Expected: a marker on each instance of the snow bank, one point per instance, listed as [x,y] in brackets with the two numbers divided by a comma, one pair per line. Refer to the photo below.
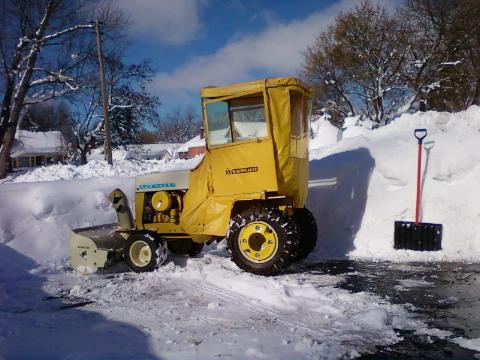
[324,133]
[101,169]
[365,183]
[36,220]
[353,126]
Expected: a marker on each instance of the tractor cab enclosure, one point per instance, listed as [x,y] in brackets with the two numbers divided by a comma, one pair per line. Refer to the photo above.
[257,137]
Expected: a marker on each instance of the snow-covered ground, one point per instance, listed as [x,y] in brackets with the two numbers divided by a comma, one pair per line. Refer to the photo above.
[205,307]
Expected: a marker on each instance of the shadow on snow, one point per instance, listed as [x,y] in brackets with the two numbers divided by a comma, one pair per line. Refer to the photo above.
[36,325]
[337,197]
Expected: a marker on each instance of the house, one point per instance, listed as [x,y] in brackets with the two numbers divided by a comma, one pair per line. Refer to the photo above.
[32,149]
[192,147]
[163,151]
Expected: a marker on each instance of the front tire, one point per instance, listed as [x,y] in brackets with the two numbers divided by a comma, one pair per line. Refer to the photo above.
[144,252]
[262,241]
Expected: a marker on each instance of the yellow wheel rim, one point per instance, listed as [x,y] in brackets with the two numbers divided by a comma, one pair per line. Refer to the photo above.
[140,253]
[258,242]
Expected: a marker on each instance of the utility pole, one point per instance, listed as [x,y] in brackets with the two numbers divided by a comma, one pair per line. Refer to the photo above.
[106,123]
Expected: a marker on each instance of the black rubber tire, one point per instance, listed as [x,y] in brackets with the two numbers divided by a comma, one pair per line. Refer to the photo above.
[307,232]
[185,247]
[157,247]
[287,239]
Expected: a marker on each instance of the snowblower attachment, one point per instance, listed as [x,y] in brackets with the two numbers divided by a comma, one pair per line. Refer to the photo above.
[101,246]
[418,235]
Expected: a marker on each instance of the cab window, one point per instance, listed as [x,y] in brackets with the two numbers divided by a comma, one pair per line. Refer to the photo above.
[236,120]
[300,112]
[248,118]
[219,131]
[296,112]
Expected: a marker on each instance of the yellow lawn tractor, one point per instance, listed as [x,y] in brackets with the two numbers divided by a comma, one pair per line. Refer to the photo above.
[250,189]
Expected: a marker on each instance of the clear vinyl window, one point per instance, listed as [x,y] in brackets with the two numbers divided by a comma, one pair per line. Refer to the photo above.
[296,112]
[219,131]
[300,112]
[236,120]
[248,118]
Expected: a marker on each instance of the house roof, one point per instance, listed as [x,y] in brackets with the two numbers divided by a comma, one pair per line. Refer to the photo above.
[196,141]
[158,149]
[29,143]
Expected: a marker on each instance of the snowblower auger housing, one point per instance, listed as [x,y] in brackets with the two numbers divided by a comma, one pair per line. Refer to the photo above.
[250,187]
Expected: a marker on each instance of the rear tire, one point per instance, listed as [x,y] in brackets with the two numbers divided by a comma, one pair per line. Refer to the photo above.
[144,252]
[185,247]
[262,241]
[307,232]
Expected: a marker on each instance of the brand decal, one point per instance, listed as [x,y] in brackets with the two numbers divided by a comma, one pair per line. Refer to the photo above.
[156,186]
[241,170]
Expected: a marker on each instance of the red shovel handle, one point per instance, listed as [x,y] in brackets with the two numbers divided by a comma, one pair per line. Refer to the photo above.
[420,134]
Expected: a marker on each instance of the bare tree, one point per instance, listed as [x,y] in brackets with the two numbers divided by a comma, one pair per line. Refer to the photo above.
[380,64]
[177,126]
[48,116]
[357,64]
[40,25]
[44,52]
[130,105]
[446,49]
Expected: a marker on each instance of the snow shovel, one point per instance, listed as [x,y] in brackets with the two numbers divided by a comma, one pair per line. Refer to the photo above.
[418,235]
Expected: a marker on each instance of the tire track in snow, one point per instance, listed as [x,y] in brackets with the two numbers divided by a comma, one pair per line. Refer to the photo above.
[256,306]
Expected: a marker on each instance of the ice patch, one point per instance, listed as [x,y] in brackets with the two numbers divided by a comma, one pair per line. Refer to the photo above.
[472,344]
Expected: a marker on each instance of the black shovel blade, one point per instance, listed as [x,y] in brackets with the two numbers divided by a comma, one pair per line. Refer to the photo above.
[419,237]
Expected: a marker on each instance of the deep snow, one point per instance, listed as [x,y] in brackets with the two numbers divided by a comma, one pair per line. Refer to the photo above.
[206,307]
[375,184]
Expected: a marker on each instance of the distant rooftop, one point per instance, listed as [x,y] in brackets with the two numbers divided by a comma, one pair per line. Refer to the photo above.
[197,141]
[29,143]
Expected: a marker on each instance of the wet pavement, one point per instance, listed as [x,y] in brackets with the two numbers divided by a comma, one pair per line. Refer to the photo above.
[443,295]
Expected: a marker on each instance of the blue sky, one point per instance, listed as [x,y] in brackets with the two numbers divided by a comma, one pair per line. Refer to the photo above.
[196,43]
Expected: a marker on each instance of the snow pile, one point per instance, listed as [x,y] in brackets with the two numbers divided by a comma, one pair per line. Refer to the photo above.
[324,133]
[354,126]
[39,218]
[101,169]
[364,183]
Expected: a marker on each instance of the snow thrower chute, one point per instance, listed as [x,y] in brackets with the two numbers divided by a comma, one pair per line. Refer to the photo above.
[418,235]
